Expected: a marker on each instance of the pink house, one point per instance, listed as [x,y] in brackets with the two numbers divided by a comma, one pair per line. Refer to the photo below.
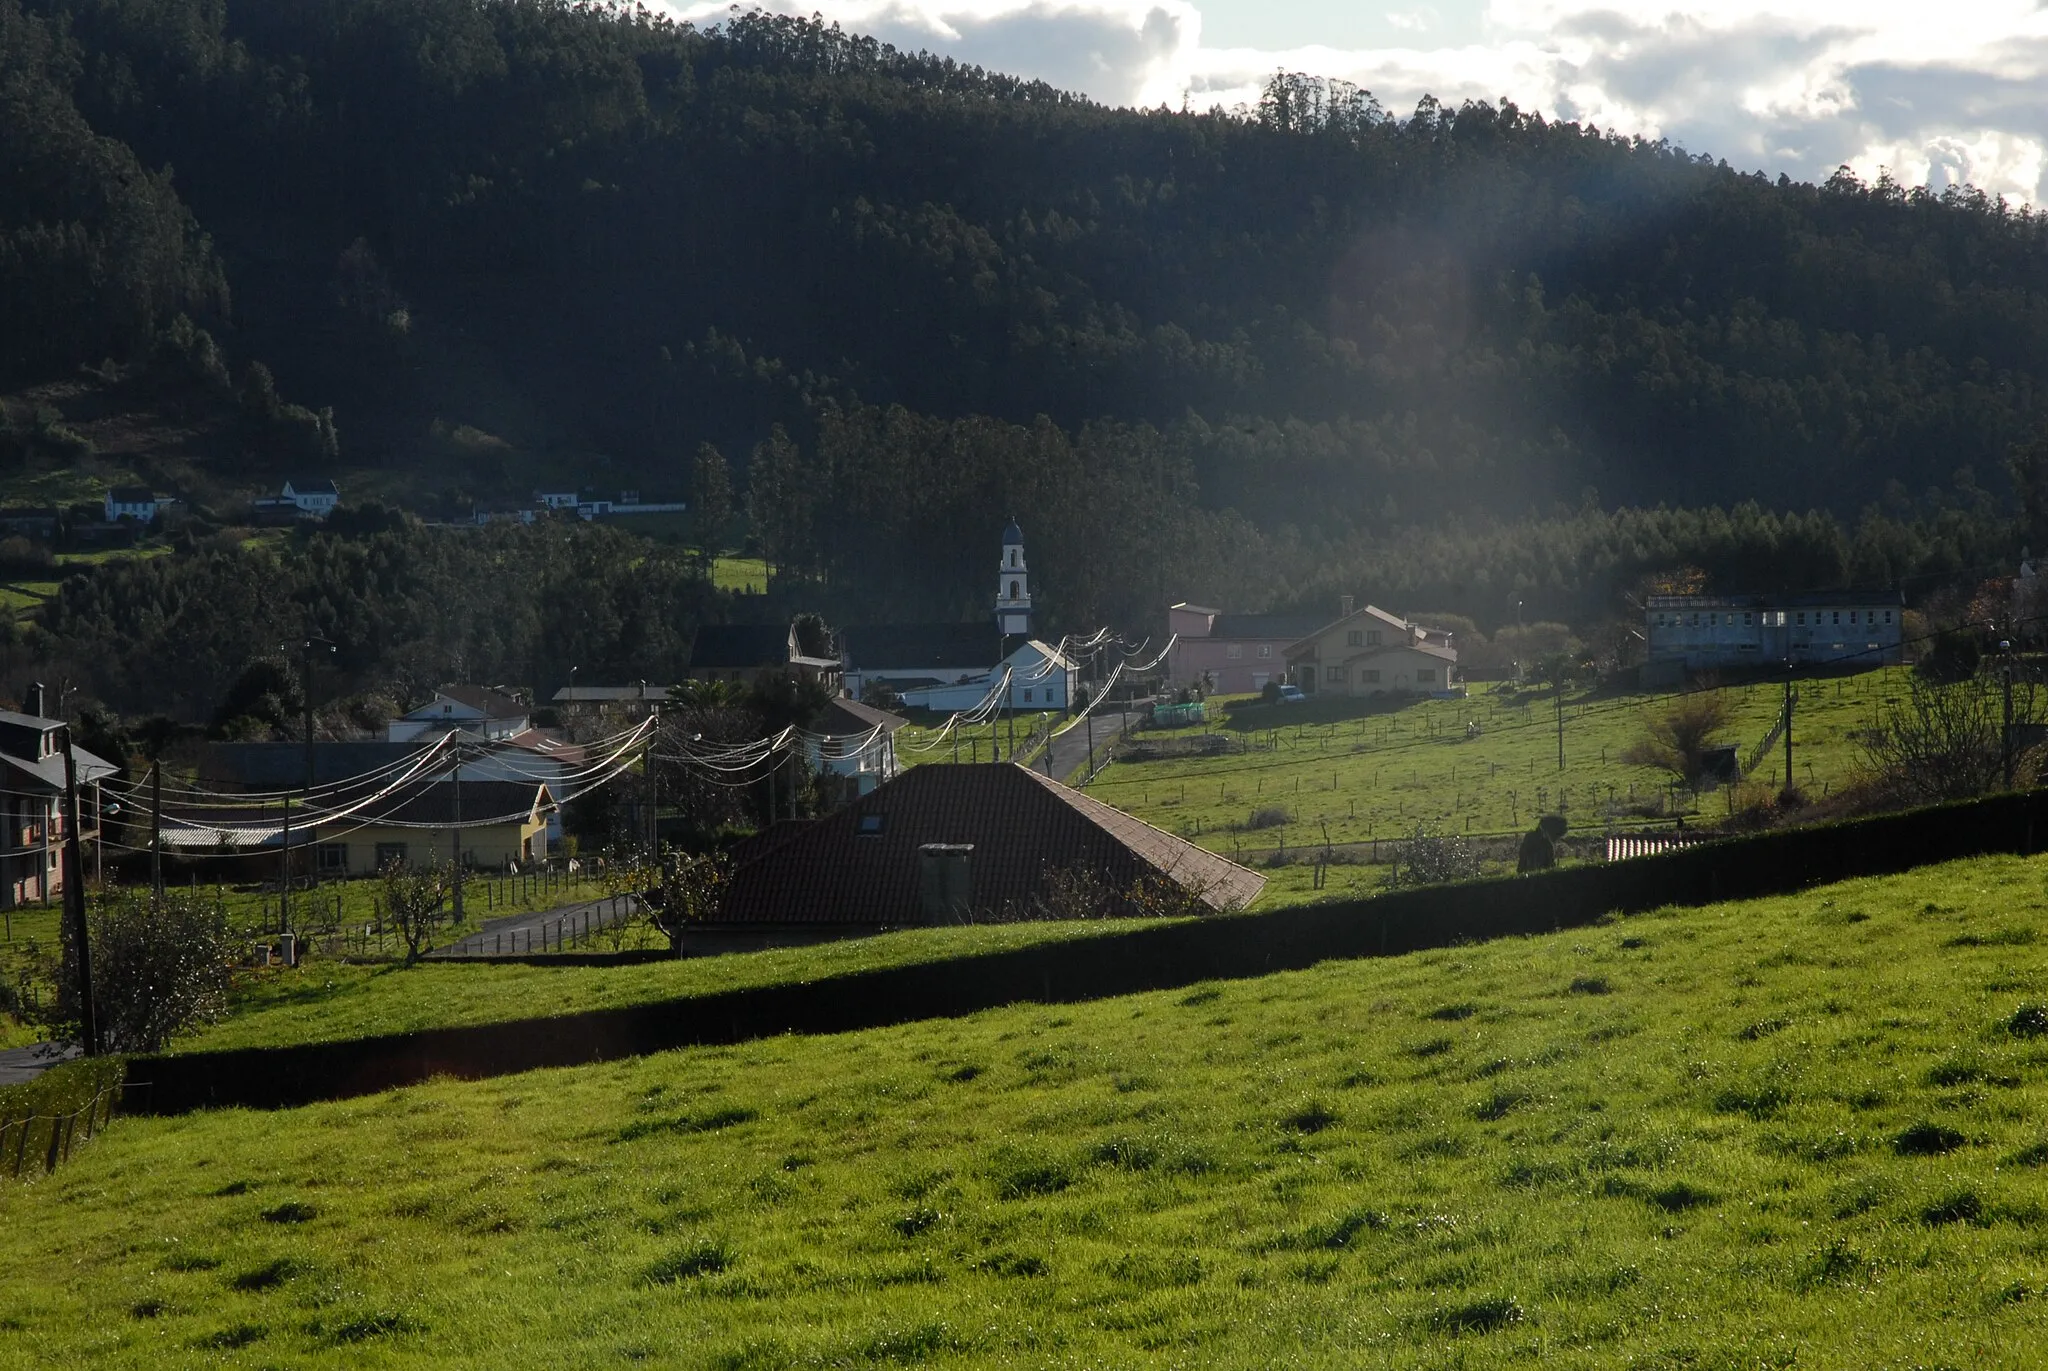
[1239,652]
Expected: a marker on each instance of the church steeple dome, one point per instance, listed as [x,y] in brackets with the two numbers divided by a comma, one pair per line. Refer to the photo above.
[1013,585]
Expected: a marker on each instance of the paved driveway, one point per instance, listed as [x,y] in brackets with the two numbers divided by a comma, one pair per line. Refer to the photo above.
[563,927]
[1070,749]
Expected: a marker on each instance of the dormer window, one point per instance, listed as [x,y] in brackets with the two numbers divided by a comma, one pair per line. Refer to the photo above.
[870,825]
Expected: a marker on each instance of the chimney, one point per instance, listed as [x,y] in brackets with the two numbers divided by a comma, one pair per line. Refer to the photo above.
[1347,603]
[33,706]
[944,881]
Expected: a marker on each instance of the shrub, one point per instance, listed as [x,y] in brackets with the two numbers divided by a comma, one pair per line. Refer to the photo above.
[160,964]
[1433,857]
[1679,739]
[2028,1021]
[1269,816]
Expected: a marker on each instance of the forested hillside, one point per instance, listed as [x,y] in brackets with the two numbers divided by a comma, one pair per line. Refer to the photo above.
[1235,355]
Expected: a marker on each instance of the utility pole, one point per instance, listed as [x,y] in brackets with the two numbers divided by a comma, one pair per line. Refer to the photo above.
[1559,681]
[284,884]
[654,791]
[74,903]
[1789,697]
[2006,736]
[455,833]
[156,827]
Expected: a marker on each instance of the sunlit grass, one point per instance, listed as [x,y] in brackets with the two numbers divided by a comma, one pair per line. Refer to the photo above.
[1802,1131]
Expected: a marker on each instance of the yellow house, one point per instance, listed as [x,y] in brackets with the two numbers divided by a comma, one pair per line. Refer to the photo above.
[1371,652]
[502,823]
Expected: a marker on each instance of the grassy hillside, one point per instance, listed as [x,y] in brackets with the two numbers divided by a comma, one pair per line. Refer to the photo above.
[1379,775]
[1800,1130]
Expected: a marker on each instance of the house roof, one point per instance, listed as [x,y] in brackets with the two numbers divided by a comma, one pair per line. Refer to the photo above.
[50,770]
[1801,599]
[548,743]
[1194,608]
[424,804]
[492,704]
[922,647]
[850,718]
[132,495]
[740,646]
[322,486]
[1020,825]
[587,695]
[282,766]
[1373,612]
[1274,627]
[1367,654]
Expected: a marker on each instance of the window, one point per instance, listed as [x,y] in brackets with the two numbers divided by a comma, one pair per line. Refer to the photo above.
[1887,616]
[1013,556]
[1334,675]
[1838,616]
[1370,677]
[1852,618]
[1013,589]
[1372,638]
[1027,696]
[870,825]
[331,857]
[1660,621]
[1802,618]
[1748,618]
[1265,649]
[1355,638]
[1425,675]
[1695,618]
[390,854]
[1234,651]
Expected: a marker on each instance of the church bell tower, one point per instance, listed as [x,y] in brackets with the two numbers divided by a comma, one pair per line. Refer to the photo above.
[1013,586]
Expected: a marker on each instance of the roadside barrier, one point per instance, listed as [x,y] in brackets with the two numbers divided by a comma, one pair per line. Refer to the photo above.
[1160,957]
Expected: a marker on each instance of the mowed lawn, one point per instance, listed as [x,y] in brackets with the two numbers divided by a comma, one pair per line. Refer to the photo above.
[1382,774]
[1805,1131]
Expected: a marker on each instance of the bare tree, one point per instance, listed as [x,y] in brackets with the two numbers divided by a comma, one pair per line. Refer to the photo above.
[1679,739]
[1946,741]
[412,902]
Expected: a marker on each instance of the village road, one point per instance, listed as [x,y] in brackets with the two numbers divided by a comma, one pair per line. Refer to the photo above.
[1070,749]
[574,925]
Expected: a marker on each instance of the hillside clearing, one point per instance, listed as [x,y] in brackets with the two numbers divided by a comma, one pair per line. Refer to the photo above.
[1802,1129]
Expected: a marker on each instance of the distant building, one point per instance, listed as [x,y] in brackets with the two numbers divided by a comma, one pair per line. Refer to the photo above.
[478,710]
[503,823]
[1371,652]
[31,804]
[857,742]
[1236,653]
[138,503]
[949,843]
[1040,675]
[749,652]
[1734,632]
[923,657]
[299,499]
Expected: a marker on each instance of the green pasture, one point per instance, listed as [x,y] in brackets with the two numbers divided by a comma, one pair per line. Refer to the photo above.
[1379,774]
[1805,1131]
[741,575]
[928,741]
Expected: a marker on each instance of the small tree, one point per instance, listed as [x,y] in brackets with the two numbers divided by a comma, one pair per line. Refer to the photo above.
[711,487]
[691,889]
[1679,739]
[159,965]
[412,902]
[1433,857]
[1945,742]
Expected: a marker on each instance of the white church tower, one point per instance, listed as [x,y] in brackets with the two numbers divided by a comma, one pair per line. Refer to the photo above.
[1013,586]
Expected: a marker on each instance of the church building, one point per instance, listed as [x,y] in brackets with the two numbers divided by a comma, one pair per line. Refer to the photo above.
[948,667]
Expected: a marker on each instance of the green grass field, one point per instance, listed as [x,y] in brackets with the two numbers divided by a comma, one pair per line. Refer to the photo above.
[1380,775]
[1804,1131]
[745,575]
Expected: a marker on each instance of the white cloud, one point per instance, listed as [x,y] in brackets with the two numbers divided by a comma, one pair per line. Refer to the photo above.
[1939,94]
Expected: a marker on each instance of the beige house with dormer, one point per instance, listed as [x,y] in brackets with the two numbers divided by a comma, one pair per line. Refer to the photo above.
[1371,652]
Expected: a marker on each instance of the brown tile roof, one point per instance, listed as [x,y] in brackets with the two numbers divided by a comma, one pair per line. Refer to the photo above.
[1021,826]
[492,704]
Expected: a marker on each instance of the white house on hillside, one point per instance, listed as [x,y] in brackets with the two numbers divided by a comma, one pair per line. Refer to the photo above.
[131,502]
[1041,677]
[476,710]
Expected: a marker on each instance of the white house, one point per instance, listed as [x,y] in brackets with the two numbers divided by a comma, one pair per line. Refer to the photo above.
[301,499]
[1851,628]
[476,710]
[1041,677]
[131,502]
[856,740]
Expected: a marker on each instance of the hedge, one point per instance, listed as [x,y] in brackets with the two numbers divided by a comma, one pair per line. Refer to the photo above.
[43,1119]
[1154,958]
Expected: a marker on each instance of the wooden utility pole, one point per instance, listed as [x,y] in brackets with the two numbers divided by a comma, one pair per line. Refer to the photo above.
[654,791]
[1560,723]
[284,884]
[1789,697]
[74,904]
[156,827]
[455,833]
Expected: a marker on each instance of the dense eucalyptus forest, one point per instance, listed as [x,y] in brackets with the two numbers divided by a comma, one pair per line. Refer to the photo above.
[1448,359]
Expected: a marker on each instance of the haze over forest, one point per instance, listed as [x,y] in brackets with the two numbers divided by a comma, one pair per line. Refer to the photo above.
[1448,359]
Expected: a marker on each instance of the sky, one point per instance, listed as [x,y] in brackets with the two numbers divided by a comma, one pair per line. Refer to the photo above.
[1937,93]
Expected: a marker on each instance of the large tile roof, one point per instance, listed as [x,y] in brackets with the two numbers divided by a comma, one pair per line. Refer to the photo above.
[1021,825]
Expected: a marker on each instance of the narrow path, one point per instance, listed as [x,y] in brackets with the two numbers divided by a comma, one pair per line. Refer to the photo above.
[1070,749]
[20,1065]
[543,931]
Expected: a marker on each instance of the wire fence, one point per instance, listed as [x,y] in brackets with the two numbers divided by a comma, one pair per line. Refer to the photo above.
[45,1140]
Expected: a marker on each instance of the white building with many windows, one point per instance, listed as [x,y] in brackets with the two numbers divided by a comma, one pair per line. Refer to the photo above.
[1849,628]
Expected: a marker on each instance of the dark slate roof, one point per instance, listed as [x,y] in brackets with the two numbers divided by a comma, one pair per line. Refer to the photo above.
[433,802]
[922,647]
[322,486]
[849,718]
[1020,824]
[1827,599]
[131,495]
[1278,627]
[493,704]
[282,766]
[740,646]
